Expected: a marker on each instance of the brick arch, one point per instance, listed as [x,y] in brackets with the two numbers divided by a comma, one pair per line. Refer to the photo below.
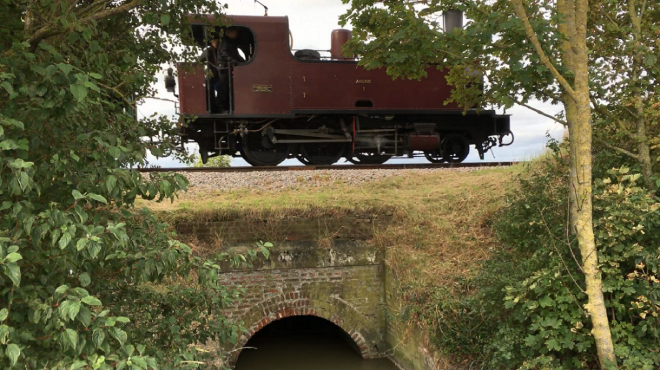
[295,304]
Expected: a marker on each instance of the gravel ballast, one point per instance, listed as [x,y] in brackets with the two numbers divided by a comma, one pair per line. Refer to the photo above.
[284,180]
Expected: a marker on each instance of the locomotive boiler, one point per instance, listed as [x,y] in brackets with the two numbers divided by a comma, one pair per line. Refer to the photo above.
[285,104]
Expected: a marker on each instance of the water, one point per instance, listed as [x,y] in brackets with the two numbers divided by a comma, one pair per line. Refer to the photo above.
[304,343]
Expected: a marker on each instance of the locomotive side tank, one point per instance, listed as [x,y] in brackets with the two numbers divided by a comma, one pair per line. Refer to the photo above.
[286,105]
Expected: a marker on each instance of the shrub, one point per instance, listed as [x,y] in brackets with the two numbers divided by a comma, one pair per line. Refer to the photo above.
[528,311]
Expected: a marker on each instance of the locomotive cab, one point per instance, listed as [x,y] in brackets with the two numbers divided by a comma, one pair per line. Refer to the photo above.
[299,104]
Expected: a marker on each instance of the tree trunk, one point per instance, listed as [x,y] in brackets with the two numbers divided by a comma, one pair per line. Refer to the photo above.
[574,54]
[581,184]
[643,151]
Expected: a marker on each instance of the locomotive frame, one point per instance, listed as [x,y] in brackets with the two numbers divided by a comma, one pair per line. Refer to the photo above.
[301,106]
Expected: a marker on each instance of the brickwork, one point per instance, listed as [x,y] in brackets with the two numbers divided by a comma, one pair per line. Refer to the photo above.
[350,296]
[322,268]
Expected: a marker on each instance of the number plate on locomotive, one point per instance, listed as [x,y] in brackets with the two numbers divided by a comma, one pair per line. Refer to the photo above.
[262,88]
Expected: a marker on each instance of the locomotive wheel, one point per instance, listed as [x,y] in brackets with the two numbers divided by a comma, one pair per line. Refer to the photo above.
[455,148]
[321,153]
[368,159]
[435,157]
[255,153]
[302,159]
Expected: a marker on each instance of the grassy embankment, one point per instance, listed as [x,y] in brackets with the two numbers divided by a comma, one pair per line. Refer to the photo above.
[438,222]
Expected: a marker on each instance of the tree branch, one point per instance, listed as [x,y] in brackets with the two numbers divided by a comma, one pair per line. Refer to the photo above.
[620,150]
[52,30]
[132,104]
[522,14]
[602,110]
[539,112]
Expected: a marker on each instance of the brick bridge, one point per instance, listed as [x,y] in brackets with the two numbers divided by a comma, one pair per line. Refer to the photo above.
[336,275]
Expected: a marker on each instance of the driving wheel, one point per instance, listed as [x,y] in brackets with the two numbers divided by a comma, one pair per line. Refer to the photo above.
[259,150]
[368,158]
[435,156]
[322,153]
[455,148]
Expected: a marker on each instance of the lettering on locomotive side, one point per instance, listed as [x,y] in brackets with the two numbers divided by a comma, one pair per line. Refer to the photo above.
[262,88]
[363,81]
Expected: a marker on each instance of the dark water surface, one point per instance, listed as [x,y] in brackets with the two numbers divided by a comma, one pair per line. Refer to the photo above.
[304,343]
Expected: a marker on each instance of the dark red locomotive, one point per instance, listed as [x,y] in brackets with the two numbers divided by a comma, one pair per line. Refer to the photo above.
[285,105]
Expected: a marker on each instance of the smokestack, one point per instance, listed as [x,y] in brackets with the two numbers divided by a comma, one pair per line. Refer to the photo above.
[453,20]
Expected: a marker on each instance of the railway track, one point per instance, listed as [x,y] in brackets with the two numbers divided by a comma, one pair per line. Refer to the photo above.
[397,166]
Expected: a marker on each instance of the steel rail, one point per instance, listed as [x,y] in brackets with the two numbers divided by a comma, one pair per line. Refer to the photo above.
[397,166]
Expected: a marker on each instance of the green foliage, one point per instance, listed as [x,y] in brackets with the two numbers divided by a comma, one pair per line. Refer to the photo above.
[407,36]
[82,272]
[528,309]
[219,161]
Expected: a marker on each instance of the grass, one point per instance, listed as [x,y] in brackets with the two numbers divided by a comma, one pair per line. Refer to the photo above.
[438,230]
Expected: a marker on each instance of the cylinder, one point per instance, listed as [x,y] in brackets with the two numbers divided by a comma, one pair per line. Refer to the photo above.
[338,39]
[453,20]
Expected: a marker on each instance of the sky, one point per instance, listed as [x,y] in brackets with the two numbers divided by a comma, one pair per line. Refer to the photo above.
[311,23]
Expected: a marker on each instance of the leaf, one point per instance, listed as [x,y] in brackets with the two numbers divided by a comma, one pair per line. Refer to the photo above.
[34,315]
[98,337]
[64,240]
[79,91]
[650,60]
[81,244]
[13,351]
[546,301]
[123,319]
[3,314]
[92,301]
[23,180]
[77,195]
[4,334]
[84,279]
[95,75]
[7,87]
[13,257]
[66,68]
[139,361]
[265,252]
[118,334]
[110,182]
[73,309]
[164,19]
[72,337]
[14,273]
[62,289]
[552,344]
[85,316]
[78,365]
[98,198]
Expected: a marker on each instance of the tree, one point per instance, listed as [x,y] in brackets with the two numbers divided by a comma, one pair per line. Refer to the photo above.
[527,50]
[624,78]
[78,262]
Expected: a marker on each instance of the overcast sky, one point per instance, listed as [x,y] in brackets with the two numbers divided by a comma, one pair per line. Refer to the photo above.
[311,23]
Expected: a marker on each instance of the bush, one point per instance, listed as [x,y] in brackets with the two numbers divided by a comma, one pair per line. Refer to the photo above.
[528,310]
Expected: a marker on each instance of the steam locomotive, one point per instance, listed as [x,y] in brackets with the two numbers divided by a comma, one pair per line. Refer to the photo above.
[301,105]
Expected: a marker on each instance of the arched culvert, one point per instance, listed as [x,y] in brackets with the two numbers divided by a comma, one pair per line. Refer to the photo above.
[313,339]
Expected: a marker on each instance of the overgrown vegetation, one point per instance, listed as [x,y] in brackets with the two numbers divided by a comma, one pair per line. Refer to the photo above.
[81,268]
[436,231]
[525,307]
